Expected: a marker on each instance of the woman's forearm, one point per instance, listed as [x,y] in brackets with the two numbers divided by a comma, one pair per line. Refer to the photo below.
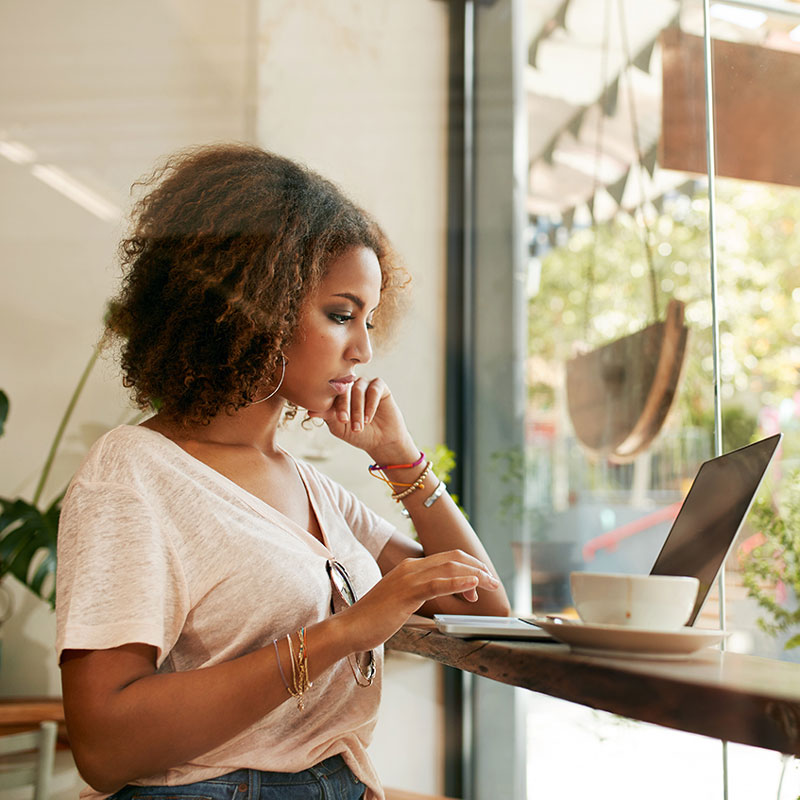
[369,418]
[127,722]
[440,527]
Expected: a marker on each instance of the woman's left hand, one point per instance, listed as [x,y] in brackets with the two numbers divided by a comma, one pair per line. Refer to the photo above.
[368,417]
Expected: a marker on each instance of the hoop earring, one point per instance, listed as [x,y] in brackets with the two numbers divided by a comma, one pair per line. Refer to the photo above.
[280,383]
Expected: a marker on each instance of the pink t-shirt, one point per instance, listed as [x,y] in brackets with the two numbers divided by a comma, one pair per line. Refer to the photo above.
[156,547]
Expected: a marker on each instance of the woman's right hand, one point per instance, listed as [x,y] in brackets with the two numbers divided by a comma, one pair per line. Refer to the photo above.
[387,606]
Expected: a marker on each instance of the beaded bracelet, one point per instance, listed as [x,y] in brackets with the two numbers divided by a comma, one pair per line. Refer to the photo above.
[440,489]
[418,484]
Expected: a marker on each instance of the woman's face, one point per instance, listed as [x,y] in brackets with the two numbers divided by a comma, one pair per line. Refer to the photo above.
[332,337]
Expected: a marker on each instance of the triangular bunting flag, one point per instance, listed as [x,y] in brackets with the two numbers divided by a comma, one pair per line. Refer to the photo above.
[642,61]
[649,159]
[617,189]
[610,98]
[547,153]
[575,124]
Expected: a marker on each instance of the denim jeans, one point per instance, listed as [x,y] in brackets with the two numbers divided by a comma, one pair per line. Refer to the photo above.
[331,779]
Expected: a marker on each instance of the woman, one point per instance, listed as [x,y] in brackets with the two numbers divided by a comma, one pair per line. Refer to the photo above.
[200,565]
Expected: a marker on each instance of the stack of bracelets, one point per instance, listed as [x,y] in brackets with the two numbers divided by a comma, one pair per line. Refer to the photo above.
[300,681]
[299,661]
[379,471]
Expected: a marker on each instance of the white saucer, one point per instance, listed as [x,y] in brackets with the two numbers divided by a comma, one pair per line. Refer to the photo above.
[622,640]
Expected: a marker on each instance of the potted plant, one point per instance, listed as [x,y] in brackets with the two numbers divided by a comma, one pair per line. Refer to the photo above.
[28,529]
[771,560]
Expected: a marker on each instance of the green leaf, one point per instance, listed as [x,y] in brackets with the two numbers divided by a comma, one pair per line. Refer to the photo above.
[3,411]
[28,535]
[777,518]
[45,570]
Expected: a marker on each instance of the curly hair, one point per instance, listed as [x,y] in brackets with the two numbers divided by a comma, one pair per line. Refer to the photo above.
[224,248]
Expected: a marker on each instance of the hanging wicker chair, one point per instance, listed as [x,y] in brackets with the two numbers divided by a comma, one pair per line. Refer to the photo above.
[619,395]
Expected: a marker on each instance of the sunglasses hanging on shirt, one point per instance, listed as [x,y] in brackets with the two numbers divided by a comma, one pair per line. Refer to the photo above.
[343,595]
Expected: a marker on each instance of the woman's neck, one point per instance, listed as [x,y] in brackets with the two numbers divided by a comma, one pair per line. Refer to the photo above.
[252,426]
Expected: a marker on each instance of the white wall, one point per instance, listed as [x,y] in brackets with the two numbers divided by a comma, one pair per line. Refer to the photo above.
[364,102]
[355,89]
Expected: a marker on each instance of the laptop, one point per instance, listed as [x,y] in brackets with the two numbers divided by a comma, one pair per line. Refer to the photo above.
[697,544]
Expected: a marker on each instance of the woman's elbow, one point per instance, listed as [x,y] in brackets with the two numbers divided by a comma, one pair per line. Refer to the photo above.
[105,760]
[100,770]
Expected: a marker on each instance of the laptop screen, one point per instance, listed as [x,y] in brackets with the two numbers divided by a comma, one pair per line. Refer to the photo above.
[712,514]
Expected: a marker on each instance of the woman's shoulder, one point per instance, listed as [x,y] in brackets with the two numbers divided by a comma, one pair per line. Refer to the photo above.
[122,453]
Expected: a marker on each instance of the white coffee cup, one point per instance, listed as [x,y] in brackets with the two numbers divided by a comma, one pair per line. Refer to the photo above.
[655,602]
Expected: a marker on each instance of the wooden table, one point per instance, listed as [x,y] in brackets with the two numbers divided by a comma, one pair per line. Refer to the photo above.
[25,713]
[729,696]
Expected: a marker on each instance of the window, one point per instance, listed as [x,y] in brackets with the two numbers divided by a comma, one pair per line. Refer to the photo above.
[627,232]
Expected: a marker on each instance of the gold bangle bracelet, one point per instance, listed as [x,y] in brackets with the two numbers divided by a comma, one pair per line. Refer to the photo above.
[300,682]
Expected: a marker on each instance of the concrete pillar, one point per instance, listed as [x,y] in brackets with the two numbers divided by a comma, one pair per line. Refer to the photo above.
[499,325]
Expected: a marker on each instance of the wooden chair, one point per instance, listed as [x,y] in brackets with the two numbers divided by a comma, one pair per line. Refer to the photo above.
[26,759]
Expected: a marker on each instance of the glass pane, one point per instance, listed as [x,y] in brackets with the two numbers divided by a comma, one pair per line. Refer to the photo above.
[620,411]
[619,213]
[757,208]
[757,200]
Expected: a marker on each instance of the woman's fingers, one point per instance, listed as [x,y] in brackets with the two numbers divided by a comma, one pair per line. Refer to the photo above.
[363,401]
[464,585]
[471,595]
[358,392]
[452,572]
[341,406]
[414,581]
[357,408]
[366,416]
[467,573]
[376,392]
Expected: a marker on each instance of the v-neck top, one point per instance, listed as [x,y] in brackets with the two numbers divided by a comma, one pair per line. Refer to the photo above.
[159,548]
